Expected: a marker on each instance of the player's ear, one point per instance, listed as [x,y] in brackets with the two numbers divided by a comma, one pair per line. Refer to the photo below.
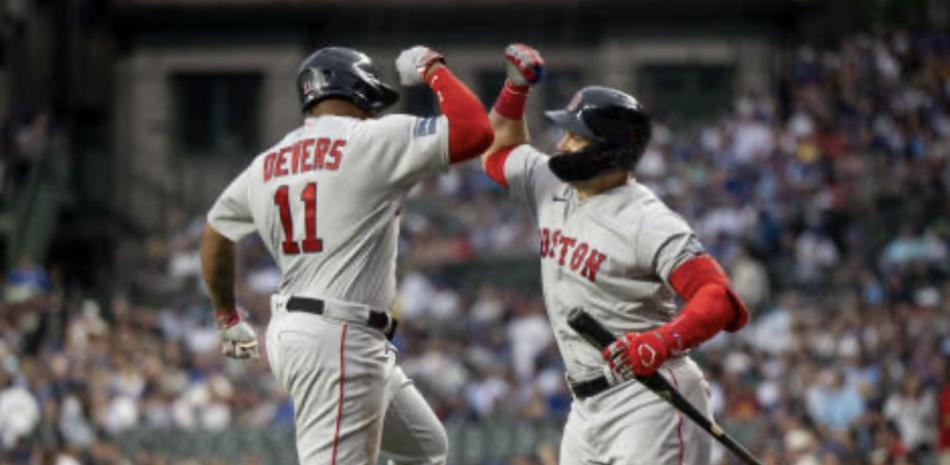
[576,142]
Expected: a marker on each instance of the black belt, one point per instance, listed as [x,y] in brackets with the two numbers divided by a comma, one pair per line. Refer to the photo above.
[591,387]
[379,320]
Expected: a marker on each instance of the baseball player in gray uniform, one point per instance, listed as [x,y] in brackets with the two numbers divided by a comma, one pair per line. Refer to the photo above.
[326,201]
[609,245]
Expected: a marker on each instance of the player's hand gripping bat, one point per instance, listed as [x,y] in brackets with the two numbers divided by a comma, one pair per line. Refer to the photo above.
[596,334]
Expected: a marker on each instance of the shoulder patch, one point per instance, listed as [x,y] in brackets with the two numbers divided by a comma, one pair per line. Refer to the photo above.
[425,127]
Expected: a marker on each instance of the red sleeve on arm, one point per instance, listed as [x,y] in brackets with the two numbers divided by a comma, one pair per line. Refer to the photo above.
[470,131]
[510,104]
[511,101]
[495,165]
[711,305]
[692,274]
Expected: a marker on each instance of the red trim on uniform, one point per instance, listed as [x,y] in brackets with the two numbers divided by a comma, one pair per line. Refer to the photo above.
[495,165]
[679,426]
[511,101]
[470,131]
[339,410]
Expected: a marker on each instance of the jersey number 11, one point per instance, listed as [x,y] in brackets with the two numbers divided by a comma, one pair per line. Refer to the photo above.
[311,243]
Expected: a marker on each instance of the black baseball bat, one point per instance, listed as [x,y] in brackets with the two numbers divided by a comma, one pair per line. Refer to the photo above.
[596,334]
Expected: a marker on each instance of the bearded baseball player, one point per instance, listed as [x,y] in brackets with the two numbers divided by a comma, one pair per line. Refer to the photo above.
[326,201]
[610,246]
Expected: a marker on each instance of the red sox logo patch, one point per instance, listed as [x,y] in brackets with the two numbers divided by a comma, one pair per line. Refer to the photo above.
[315,83]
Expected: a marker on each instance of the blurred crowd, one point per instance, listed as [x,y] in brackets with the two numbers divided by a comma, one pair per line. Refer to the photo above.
[827,201]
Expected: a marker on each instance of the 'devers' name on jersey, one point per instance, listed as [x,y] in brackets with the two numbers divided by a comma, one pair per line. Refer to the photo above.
[304,156]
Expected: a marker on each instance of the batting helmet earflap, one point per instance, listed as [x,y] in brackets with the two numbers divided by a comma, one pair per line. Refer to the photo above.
[344,73]
[615,123]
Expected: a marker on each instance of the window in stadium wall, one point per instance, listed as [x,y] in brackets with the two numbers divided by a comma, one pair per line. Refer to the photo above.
[686,93]
[217,114]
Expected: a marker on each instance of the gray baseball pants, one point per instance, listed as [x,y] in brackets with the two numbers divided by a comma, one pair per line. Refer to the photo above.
[350,398]
[630,425]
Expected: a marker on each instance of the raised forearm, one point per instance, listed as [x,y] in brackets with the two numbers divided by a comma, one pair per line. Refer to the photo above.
[508,132]
[508,124]
[469,129]
[218,268]
[524,67]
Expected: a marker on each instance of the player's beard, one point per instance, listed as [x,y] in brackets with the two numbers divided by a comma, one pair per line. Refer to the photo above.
[590,162]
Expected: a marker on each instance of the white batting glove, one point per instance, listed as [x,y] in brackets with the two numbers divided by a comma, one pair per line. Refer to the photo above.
[524,65]
[413,63]
[238,339]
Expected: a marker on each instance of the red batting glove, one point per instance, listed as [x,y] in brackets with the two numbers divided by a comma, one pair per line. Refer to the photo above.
[227,320]
[524,65]
[639,354]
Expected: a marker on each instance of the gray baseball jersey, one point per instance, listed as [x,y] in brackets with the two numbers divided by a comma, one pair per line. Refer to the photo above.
[326,200]
[610,254]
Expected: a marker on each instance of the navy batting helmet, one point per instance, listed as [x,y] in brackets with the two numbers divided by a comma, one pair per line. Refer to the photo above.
[343,73]
[615,123]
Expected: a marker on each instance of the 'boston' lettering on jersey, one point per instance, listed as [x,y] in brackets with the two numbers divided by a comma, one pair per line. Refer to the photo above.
[303,156]
[584,257]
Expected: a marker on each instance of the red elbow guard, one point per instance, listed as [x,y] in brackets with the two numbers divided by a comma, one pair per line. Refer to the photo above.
[693,274]
[722,310]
